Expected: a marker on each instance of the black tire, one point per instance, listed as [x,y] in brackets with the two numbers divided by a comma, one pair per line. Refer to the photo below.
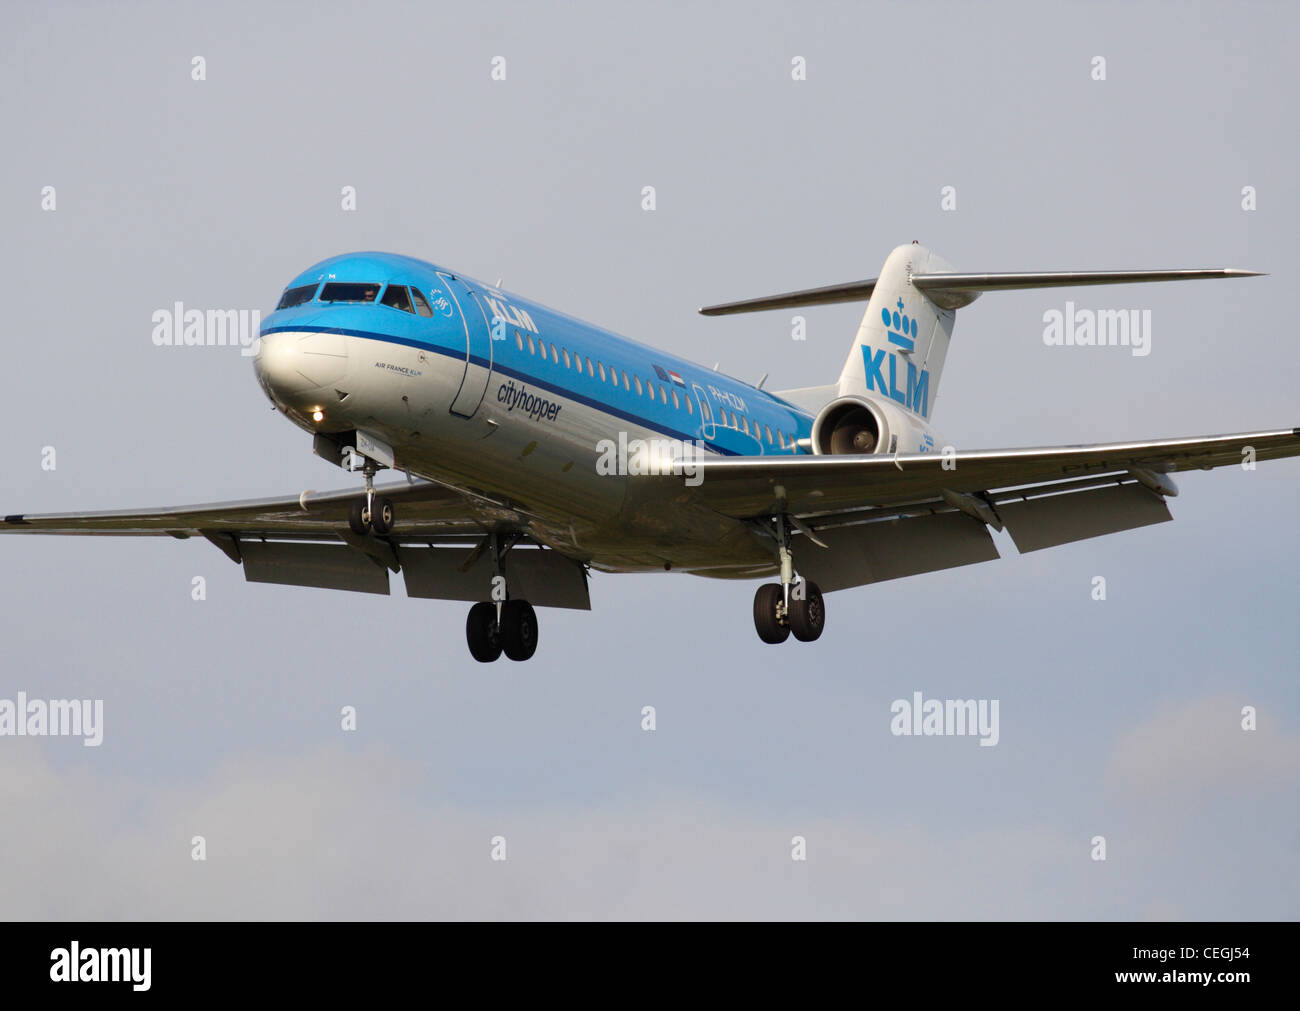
[358,517]
[767,598]
[481,633]
[382,516]
[518,629]
[807,612]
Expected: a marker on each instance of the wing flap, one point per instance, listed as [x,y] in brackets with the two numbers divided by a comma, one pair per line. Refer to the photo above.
[543,578]
[324,566]
[1045,522]
[890,549]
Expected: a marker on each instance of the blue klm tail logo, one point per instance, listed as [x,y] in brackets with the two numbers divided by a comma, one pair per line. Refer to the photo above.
[902,332]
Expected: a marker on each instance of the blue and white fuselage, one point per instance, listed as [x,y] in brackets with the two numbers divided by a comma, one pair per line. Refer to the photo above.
[480,388]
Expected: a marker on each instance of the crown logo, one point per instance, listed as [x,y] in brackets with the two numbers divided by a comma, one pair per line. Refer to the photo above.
[901,330]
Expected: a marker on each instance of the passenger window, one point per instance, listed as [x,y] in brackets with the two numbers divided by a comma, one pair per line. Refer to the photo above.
[519,340]
[626,384]
[532,348]
[296,296]
[768,430]
[676,403]
[565,352]
[421,306]
[590,371]
[541,347]
[663,394]
[601,369]
[395,297]
[638,385]
[689,408]
[555,355]
[780,438]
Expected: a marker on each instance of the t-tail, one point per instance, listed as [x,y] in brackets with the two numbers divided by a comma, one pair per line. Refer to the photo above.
[903,338]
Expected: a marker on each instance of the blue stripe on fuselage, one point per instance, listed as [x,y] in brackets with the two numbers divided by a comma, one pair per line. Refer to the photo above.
[525,377]
[803,425]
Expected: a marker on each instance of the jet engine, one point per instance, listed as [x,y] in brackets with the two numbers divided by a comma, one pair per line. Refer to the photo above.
[849,425]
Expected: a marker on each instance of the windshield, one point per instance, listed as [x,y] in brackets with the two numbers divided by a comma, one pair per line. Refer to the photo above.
[396,297]
[339,291]
[296,296]
[421,306]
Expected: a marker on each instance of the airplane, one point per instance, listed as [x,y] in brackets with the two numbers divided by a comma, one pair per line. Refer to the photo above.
[537,448]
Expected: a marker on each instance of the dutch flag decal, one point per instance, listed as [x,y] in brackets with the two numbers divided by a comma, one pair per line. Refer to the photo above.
[669,375]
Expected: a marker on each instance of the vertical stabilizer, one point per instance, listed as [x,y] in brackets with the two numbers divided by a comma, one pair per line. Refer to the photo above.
[903,337]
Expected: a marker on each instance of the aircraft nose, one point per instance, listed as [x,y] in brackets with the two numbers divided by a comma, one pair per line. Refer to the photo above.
[292,364]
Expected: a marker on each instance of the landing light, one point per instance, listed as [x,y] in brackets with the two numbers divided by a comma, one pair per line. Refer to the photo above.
[318,415]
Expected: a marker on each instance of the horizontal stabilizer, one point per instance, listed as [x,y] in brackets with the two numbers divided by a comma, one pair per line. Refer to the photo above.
[952,291]
[853,291]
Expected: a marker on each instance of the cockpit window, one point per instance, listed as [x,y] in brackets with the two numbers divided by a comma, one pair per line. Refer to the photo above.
[421,306]
[341,291]
[296,296]
[397,297]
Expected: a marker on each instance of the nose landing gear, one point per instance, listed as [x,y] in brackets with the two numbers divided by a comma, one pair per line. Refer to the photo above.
[374,512]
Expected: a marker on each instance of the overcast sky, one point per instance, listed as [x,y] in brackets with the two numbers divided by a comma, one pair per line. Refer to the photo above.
[1118,718]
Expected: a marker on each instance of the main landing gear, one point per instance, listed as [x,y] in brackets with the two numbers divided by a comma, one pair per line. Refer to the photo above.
[500,626]
[509,626]
[374,512]
[787,606]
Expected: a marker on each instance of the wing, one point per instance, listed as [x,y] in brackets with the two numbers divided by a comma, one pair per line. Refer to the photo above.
[437,543]
[426,509]
[880,517]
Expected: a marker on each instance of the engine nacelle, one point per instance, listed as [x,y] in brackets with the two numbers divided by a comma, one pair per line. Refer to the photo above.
[849,425]
[862,425]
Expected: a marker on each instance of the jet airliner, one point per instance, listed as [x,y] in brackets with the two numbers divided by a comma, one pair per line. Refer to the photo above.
[532,449]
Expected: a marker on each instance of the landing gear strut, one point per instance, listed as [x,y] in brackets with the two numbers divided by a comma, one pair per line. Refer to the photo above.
[500,626]
[787,606]
[374,512]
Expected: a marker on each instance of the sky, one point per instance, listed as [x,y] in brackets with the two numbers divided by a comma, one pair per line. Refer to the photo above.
[1120,718]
